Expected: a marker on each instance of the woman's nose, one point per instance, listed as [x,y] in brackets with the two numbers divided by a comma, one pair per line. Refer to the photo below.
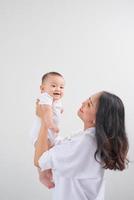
[83,103]
[82,106]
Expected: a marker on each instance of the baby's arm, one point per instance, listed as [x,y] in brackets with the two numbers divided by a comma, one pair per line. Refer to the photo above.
[48,118]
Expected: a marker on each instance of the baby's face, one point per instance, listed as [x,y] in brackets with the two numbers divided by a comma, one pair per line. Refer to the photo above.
[54,86]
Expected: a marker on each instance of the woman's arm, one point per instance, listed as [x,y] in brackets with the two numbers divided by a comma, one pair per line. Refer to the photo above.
[40,147]
[41,144]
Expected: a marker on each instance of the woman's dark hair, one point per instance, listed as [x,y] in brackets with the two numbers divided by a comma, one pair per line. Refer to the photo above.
[112,141]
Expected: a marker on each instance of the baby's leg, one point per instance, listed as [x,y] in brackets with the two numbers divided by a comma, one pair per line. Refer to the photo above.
[45,178]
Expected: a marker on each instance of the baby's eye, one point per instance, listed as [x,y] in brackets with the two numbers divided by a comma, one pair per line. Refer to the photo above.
[62,87]
[53,85]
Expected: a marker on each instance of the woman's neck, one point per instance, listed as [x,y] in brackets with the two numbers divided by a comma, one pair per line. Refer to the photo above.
[88,126]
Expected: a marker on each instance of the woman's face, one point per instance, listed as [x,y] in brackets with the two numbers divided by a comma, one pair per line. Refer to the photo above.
[87,111]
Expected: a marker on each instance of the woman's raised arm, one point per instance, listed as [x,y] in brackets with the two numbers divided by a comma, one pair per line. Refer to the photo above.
[42,142]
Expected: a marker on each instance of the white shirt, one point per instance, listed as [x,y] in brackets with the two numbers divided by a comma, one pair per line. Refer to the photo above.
[77,175]
[46,99]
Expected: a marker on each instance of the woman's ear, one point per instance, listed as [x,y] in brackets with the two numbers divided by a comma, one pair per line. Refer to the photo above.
[93,122]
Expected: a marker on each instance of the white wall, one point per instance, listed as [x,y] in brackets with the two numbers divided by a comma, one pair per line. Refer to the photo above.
[92,44]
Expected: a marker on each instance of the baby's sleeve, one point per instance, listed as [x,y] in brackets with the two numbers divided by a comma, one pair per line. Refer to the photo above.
[46,99]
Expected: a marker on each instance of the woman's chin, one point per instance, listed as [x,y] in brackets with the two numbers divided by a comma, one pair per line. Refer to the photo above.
[78,113]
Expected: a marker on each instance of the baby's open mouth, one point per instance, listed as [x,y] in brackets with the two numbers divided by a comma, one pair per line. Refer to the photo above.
[56,93]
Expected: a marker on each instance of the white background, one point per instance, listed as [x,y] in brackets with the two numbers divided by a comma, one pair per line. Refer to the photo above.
[92,44]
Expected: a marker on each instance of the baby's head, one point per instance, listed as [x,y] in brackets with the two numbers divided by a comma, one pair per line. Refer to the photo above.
[53,83]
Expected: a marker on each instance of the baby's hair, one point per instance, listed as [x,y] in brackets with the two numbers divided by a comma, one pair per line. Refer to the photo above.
[45,76]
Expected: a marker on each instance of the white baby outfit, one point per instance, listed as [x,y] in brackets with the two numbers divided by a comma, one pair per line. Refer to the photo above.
[46,99]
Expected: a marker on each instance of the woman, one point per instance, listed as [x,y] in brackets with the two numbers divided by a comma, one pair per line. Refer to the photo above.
[78,163]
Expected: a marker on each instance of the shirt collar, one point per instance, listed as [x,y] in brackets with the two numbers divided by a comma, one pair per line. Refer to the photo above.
[89,130]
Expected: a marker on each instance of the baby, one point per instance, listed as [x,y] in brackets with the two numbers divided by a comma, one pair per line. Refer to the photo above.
[52,90]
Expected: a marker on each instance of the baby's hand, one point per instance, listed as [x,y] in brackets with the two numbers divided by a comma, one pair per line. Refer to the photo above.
[55,129]
[46,178]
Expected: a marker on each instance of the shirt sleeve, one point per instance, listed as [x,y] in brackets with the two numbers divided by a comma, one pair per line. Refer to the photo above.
[49,159]
[45,161]
[45,98]
[71,158]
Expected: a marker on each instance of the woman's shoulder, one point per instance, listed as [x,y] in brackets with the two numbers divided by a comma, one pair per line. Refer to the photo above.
[84,134]
[80,138]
